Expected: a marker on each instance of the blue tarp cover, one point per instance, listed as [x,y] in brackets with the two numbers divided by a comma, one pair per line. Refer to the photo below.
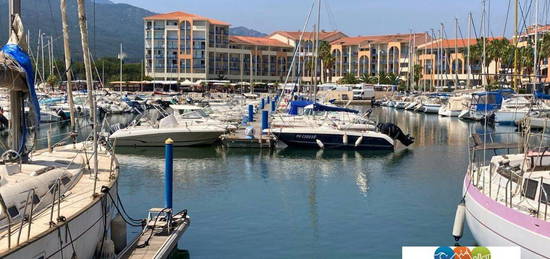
[295,105]
[541,95]
[24,61]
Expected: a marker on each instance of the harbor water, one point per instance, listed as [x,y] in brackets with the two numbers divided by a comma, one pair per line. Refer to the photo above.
[300,203]
[305,203]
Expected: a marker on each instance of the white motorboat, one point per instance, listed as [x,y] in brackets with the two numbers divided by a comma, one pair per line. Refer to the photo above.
[149,134]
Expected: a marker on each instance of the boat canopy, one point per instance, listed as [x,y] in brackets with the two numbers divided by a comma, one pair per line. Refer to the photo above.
[541,95]
[490,101]
[327,108]
[296,105]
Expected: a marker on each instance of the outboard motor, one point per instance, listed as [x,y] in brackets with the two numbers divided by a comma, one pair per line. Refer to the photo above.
[62,115]
[395,132]
[4,123]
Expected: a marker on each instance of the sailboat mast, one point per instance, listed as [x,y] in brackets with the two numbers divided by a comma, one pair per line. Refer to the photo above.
[317,50]
[456,53]
[484,56]
[16,97]
[68,61]
[120,57]
[535,54]
[89,75]
[516,32]
[468,65]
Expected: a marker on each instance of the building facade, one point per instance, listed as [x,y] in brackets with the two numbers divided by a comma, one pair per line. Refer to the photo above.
[181,46]
[371,55]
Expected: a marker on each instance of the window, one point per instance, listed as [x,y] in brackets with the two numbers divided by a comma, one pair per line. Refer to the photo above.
[13,211]
[530,188]
[35,199]
[65,180]
[545,193]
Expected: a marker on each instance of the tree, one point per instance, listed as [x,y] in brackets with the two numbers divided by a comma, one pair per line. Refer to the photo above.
[52,80]
[417,71]
[325,54]
[393,79]
[496,50]
[348,79]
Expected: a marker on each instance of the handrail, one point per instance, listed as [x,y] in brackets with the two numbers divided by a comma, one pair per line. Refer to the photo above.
[5,209]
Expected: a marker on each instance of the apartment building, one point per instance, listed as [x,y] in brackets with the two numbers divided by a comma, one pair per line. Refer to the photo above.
[306,53]
[181,46]
[375,54]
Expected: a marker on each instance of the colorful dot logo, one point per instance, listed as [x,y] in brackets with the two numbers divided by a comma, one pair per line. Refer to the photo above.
[444,252]
[481,252]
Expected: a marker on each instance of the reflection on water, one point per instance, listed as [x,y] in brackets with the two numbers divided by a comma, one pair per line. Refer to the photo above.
[309,203]
[312,203]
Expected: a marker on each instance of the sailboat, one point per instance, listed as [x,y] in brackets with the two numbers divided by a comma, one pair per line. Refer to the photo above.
[57,202]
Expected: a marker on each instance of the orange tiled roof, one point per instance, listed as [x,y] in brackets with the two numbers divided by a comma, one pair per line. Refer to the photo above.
[183,16]
[257,41]
[540,28]
[295,35]
[420,38]
[450,43]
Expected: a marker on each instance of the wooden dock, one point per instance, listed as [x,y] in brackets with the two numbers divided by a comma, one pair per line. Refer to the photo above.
[238,139]
[159,238]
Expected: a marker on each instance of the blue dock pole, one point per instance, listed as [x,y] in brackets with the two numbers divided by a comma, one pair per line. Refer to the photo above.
[265,120]
[262,104]
[268,99]
[273,106]
[250,113]
[168,173]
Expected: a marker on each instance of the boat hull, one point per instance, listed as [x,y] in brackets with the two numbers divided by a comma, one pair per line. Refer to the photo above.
[156,139]
[333,141]
[509,117]
[493,224]
[449,113]
[86,231]
[431,109]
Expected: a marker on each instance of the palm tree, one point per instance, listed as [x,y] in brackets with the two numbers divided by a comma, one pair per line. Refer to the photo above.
[348,79]
[325,54]
[526,60]
[496,50]
[544,46]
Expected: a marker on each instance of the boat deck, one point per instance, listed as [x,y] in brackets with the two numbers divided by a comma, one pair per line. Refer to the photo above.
[74,202]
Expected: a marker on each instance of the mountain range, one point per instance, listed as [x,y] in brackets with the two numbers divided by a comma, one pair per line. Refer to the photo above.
[109,24]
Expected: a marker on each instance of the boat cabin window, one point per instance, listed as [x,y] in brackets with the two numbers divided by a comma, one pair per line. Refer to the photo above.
[13,211]
[487,99]
[65,180]
[530,188]
[545,194]
[52,188]
[35,199]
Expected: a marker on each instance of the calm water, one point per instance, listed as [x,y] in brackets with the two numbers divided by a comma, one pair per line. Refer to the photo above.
[297,203]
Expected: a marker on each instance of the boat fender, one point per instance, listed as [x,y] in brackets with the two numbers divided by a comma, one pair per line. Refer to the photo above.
[358,141]
[118,233]
[534,114]
[320,143]
[345,139]
[458,226]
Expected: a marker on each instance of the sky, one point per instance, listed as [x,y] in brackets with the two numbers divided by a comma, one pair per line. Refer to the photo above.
[353,17]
